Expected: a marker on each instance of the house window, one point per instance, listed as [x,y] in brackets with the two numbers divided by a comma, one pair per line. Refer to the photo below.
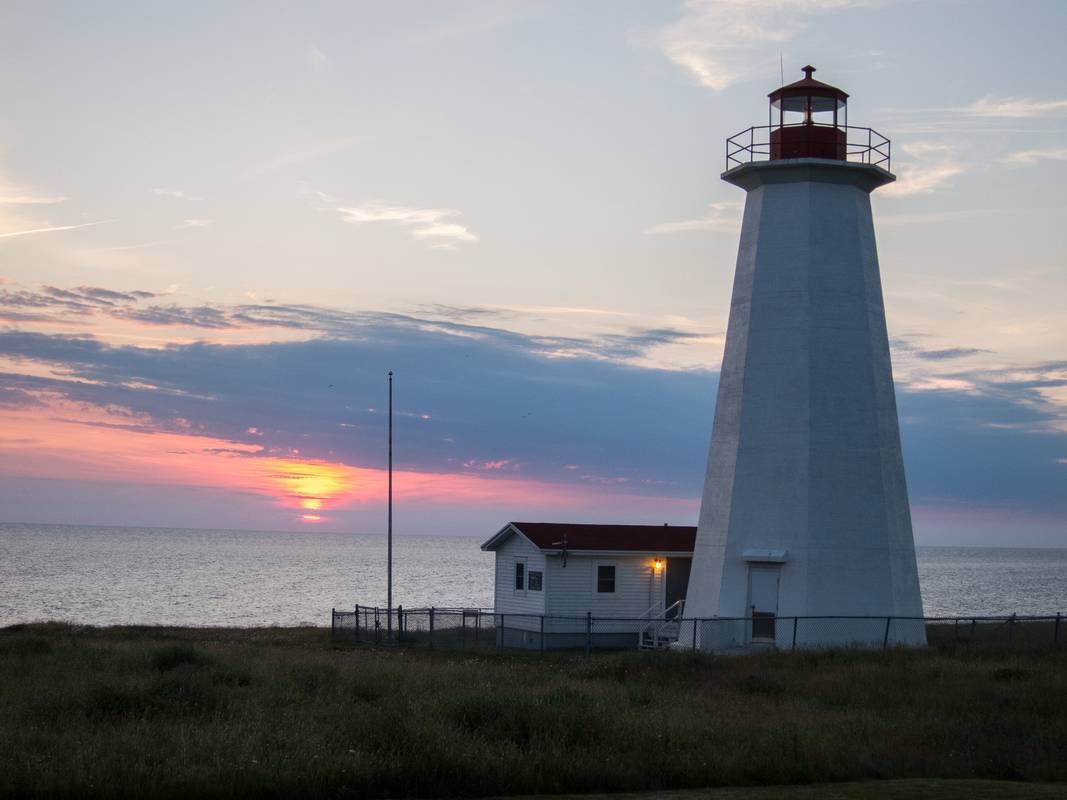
[535,580]
[520,576]
[605,578]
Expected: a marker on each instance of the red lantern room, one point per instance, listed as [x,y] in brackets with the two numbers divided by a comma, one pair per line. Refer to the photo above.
[808,119]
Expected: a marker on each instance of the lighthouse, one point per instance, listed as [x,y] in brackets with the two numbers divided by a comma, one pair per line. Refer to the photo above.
[805,506]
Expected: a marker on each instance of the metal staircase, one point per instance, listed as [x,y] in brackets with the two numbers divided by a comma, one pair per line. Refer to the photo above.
[660,628]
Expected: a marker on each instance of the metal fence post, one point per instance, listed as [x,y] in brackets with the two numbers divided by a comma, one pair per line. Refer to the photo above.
[477,626]
[333,623]
[431,627]
[377,625]
[795,633]
[462,630]
[399,624]
[1056,629]
[357,622]
[588,632]
[542,634]
[885,638]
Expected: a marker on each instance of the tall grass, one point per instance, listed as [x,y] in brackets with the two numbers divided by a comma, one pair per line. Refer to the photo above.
[129,712]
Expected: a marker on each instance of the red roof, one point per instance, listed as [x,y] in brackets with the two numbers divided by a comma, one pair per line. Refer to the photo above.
[581,536]
[807,86]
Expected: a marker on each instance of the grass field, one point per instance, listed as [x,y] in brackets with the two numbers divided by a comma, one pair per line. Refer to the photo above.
[160,712]
[903,789]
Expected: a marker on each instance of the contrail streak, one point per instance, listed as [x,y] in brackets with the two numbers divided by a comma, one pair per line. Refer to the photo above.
[56,228]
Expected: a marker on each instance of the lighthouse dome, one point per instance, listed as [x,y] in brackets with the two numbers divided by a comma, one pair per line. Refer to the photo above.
[797,96]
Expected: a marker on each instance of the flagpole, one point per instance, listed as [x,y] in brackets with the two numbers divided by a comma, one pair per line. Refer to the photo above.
[389,534]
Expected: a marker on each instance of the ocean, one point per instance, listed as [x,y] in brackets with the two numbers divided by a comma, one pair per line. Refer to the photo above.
[162,576]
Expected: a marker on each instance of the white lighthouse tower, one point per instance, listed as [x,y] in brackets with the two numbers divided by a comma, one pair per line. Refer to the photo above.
[805,508]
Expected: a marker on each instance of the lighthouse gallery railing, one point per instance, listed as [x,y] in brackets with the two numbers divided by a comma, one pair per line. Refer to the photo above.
[863,145]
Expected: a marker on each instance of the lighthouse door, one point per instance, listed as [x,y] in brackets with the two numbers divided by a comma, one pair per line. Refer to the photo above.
[763,601]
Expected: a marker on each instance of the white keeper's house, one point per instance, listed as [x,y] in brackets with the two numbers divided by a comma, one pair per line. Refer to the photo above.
[551,576]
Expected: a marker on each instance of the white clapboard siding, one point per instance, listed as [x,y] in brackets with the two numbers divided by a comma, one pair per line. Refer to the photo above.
[572,589]
[509,600]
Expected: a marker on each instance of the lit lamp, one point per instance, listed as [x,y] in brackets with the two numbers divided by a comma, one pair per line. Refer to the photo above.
[657,565]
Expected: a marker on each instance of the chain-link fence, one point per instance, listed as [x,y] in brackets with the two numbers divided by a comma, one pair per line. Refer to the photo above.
[473,628]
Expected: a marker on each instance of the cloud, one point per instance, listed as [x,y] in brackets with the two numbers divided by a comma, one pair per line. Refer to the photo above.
[15,195]
[301,155]
[927,167]
[634,346]
[491,466]
[54,228]
[193,223]
[568,409]
[477,392]
[948,353]
[30,199]
[1014,108]
[53,303]
[993,441]
[721,42]
[433,224]
[1030,157]
[720,217]
[208,317]
[177,194]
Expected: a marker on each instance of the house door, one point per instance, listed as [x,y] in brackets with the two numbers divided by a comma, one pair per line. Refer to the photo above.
[763,600]
[677,583]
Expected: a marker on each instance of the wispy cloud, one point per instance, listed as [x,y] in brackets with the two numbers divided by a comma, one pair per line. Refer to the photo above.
[193,223]
[1014,108]
[30,199]
[1030,157]
[948,353]
[54,228]
[13,194]
[930,166]
[177,194]
[720,217]
[302,155]
[435,225]
[52,303]
[721,42]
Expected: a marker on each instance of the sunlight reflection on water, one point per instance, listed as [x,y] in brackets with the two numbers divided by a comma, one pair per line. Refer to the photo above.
[105,576]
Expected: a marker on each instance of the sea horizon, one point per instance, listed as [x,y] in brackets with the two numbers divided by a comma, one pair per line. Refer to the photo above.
[396,533]
[211,577]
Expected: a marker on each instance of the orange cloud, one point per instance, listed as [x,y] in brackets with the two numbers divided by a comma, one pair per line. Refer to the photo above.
[61,439]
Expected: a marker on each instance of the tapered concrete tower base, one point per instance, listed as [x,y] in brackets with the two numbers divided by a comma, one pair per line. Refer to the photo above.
[805,508]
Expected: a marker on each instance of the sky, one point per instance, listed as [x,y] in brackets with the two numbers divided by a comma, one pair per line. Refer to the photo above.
[222,224]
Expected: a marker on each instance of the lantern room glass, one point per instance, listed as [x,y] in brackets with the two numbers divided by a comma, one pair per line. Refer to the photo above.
[810,109]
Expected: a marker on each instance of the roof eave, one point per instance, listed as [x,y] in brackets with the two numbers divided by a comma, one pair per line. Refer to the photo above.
[664,553]
[505,533]
[494,541]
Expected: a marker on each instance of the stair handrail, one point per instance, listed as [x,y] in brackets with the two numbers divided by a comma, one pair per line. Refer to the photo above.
[648,618]
[657,618]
